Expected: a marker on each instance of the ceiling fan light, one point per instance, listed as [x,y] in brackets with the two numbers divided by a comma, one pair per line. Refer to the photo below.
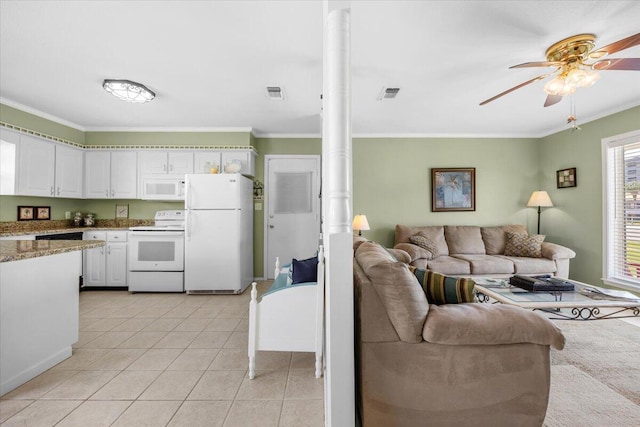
[128,91]
[590,78]
[555,86]
[575,76]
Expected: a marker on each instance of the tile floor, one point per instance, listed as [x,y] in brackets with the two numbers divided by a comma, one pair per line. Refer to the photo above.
[167,360]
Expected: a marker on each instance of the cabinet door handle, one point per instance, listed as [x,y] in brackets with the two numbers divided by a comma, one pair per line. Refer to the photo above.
[101,250]
[107,193]
[108,250]
[58,191]
[52,192]
[112,193]
[171,167]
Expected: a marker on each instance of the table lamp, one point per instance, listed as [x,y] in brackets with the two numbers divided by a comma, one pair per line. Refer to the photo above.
[539,199]
[360,223]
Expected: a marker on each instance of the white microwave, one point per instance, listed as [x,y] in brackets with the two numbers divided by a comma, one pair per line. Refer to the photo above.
[165,188]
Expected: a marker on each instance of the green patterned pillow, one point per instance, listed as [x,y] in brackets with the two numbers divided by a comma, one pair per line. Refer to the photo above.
[441,289]
[518,244]
[425,242]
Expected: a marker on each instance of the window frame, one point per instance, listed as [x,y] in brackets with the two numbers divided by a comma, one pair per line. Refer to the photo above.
[608,199]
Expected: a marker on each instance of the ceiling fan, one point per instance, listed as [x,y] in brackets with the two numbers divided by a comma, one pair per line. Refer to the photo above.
[577,65]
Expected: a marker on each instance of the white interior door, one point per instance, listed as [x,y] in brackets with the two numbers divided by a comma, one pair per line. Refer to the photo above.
[292,208]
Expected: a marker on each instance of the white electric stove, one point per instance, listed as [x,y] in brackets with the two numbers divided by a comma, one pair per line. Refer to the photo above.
[156,254]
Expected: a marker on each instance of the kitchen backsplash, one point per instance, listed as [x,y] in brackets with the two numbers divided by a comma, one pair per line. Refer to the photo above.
[10,227]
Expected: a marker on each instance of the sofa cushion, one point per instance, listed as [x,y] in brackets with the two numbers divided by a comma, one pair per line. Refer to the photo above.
[426,243]
[442,289]
[434,232]
[523,245]
[488,264]
[398,289]
[488,324]
[524,265]
[494,238]
[464,239]
[447,265]
[415,252]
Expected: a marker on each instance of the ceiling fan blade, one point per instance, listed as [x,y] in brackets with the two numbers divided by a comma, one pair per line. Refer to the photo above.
[630,41]
[632,64]
[535,79]
[552,99]
[538,64]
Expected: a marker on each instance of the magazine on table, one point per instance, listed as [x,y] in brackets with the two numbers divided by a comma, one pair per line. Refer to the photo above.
[602,293]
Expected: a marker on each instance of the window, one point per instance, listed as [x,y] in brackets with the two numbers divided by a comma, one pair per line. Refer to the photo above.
[621,191]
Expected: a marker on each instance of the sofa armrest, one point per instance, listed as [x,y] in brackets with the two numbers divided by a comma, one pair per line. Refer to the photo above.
[414,251]
[402,256]
[480,324]
[554,251]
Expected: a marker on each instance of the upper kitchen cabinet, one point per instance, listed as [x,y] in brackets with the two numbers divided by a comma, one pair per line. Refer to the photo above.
[48,169]
[166,162]
[9,142]
[204,161]
[69,166]
[111,175]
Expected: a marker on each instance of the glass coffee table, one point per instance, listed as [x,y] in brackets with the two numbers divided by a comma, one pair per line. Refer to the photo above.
[585,302]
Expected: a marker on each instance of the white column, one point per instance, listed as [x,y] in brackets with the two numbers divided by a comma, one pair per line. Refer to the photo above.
[337,208]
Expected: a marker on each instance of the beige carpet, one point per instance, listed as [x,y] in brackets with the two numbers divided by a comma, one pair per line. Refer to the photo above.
[595,380]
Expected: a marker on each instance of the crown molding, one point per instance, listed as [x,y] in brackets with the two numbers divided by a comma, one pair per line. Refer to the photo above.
[41,114]
[168,129]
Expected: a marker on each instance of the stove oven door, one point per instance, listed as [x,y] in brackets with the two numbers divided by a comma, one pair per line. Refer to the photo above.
[156,251]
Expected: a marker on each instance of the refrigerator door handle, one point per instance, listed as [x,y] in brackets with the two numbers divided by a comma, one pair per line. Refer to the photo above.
[187,225]
[188,194]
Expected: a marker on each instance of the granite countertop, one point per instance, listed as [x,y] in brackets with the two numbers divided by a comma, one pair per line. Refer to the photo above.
[61,230]
[15,250]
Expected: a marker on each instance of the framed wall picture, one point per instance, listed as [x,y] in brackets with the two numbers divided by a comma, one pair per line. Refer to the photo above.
[453,189]
[25,213]
[43,212]
[122,211]
[566,178]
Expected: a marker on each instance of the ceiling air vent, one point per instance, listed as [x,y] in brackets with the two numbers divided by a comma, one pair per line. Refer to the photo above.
[275,92]
[388,93]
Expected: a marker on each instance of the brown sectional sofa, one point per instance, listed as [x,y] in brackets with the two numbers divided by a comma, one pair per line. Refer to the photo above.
[479,251]
[449,365]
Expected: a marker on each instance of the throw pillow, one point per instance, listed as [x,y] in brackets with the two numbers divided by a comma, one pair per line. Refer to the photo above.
[441,289]
[425,243]
[523,245]
[305,270]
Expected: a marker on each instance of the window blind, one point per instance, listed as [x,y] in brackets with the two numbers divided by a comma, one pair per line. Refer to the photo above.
[622,210]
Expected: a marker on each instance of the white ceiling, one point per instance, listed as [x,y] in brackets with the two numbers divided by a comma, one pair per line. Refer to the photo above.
[210,61]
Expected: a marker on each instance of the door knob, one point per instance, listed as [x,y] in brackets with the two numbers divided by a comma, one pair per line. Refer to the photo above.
[271,226]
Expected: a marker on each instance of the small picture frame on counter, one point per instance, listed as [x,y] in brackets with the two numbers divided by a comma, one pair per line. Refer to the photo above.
[43,212]
[25,213]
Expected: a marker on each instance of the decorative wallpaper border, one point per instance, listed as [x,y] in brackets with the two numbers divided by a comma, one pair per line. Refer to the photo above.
[40,134]
[125,147]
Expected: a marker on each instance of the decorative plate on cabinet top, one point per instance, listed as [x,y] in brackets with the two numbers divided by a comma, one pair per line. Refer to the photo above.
[232,166]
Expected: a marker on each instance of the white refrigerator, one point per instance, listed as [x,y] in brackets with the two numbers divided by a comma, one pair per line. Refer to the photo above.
[218,256]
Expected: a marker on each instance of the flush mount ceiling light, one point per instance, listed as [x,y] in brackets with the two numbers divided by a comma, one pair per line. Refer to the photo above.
[128,91]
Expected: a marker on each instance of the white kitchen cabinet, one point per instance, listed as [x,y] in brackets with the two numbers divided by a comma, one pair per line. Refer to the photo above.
[48,169]
[166,162]
[69,168]
[36,167]
[9,142]
[111,175]
[203,161]
[106,266]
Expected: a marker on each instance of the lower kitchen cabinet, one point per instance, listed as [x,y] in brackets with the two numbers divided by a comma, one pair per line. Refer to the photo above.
[107,265]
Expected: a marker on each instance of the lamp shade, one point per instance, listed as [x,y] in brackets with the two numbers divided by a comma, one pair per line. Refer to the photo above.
[360,222]
[539,198]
